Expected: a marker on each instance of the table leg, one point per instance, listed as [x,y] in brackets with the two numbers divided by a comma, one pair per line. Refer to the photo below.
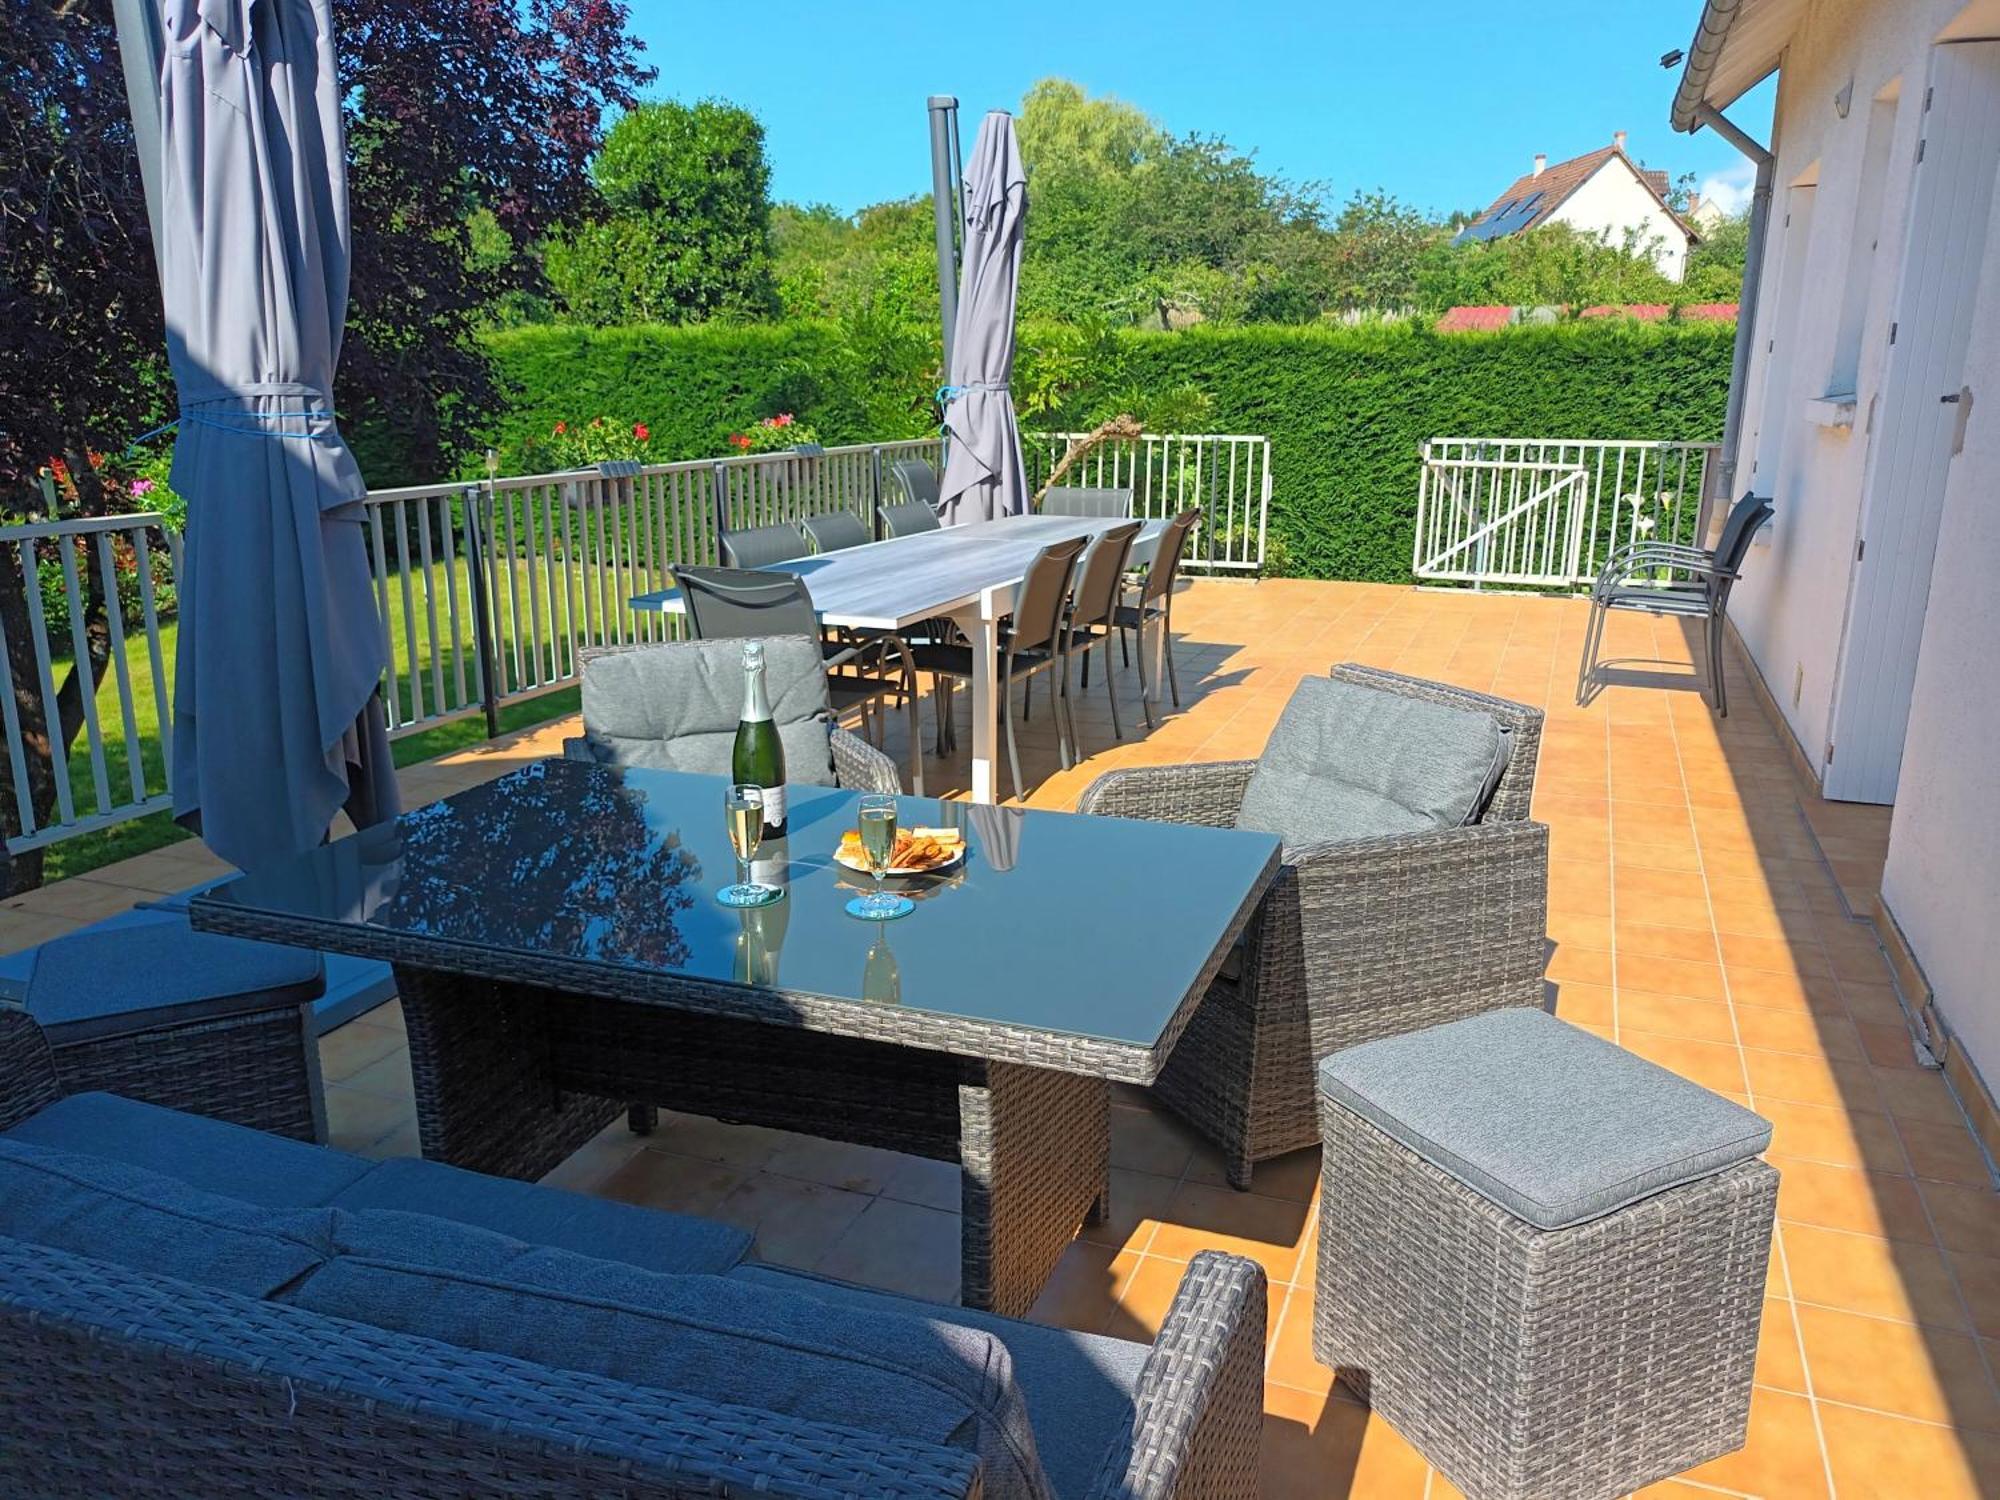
[482,1060]
[1035,1154]
[981,624]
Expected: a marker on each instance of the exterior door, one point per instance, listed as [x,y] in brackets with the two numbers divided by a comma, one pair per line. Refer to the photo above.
[1951,198]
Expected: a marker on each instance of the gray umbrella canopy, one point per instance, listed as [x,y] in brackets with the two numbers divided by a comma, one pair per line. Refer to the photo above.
[984,476]
[281,647]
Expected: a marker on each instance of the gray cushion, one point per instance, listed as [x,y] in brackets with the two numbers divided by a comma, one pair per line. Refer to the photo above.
[1554,1124]
[601,1227]
[150,1222]
[1078,1385]
[675,707]
[208,1154]
[157,972]
[925,1380]
[1351,762]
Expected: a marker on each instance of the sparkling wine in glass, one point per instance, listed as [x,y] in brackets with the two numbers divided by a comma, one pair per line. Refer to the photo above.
[743,813]
[877,816]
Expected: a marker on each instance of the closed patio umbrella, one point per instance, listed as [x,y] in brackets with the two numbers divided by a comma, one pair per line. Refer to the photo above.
[984,476]
[281,650]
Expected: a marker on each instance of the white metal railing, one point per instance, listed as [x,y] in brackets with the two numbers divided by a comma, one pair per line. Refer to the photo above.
[1226,476]
[495,590]
[1546,512]
[124,775]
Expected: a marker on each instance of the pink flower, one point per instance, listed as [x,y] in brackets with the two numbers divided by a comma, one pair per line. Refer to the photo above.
[142,487]
[640,431]
[597,422]
[782,419]
[560,429]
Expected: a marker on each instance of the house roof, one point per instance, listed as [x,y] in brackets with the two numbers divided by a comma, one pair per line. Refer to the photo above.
[1474,319]
[1737,45]
[1535,196]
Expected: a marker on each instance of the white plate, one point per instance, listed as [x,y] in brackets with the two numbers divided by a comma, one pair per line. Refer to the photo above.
[860,866]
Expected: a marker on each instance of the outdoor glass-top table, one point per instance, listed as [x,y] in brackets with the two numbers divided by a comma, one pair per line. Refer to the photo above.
[967,574]
[560,956]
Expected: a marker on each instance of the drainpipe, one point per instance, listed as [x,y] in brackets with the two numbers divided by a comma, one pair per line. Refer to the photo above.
[1753,278]
[944,188]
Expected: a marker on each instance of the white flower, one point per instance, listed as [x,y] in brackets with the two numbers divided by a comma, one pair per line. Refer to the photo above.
[1644,523]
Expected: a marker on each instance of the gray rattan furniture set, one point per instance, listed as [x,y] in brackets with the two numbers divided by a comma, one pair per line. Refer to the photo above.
[189,1307]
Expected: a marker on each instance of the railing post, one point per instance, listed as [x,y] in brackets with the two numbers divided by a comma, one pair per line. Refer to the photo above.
[721,507]
[482,618]
[875,492]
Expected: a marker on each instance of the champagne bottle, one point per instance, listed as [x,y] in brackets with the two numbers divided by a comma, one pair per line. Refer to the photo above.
[759,757]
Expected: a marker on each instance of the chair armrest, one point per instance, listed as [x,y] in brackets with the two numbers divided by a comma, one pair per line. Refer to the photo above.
[859,767]
[1198,1412]
[28,1078]
[576,747]
[1624,564]
[1381,936]
[1206,794]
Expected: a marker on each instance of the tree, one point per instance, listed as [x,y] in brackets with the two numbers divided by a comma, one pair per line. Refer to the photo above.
[451,107]
[82,355]
[686,233]
[1715,266]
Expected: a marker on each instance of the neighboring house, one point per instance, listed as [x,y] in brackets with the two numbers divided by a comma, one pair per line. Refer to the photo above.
[1867,406]
[1604,194]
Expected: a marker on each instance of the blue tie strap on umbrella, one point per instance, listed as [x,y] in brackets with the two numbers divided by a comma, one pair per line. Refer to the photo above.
[278,719]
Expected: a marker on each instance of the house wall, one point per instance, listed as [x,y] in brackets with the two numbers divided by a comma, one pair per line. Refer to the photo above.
[1791,606]
[1943,877]
[1614,202]
[1942,882]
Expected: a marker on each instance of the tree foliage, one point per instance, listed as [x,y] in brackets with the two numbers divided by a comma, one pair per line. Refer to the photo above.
[686,230]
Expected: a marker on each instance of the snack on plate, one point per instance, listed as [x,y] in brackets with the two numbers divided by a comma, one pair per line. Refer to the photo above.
[916,848]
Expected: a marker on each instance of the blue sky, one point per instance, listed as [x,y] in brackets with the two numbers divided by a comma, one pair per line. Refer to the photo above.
[1442,103]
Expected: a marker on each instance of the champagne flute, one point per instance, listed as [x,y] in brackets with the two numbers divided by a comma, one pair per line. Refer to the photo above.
[743,813]
[877,815]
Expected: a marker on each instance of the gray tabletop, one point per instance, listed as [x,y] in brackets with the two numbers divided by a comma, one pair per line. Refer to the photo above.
[1075,942]
[891,585]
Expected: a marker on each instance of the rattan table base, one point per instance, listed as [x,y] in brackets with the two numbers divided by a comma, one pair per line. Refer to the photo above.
[512,1078]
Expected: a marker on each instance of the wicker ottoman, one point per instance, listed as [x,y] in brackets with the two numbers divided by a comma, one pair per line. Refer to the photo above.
[156,1011]
[1541,1258]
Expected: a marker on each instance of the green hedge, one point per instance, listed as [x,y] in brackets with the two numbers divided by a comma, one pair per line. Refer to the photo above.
[1346,408]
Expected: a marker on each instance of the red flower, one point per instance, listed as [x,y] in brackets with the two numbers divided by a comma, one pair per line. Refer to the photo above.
[561,428]
[60,469]
[739,440]
[640,431]
[782,419]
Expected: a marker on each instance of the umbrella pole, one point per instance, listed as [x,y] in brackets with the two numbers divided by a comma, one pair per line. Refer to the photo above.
[944,154]
[141,46]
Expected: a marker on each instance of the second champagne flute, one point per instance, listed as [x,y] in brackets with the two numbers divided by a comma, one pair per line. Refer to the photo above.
[877,814]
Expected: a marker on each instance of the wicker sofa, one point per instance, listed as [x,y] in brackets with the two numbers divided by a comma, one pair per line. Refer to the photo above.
[1356,940]
[185,1309]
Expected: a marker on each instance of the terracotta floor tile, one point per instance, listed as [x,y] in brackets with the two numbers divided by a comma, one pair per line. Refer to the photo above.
[356,1120]
[1138,1201]
[1150,1141]
[1780,1365]
[1946,1153]
[1291,1362]
[1967,1218]
[1880,1277]
[900,1247]
[1917,1094]
[1671,976]
[1781,1456]
[795,1223]
[1774,954]
[1707,1063]
[1888,1046]
[1803,1079]
[1874,1457]
[1586,1004]
[1207,1218]
[1845,1138]
[1814,1033]
[679,1184]
[1579,965]
[1979,1283]
[1897,1367]
[1328,1448]
[1688,944]
[1777,989]
[1811,1192]
[346,1050]
[1676,1016]
[1146,1292]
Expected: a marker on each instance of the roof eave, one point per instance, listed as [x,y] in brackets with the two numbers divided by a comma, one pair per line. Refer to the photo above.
[1711,35]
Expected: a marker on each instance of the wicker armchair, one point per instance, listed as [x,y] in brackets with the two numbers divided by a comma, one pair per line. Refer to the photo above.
[1355,940]
[118,1382]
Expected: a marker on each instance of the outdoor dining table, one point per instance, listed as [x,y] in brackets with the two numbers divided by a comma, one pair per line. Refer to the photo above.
[967,574]
[561,957]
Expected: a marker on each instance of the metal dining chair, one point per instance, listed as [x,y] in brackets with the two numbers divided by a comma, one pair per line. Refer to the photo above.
[760,546]
[917,482]
[831,530]
[1082,500]
[1155,603]
[735,604]
[1029,643]
[1668,578]
[907,519]
[1093,599]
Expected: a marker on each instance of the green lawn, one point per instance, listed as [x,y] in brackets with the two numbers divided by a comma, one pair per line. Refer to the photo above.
[545,624]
